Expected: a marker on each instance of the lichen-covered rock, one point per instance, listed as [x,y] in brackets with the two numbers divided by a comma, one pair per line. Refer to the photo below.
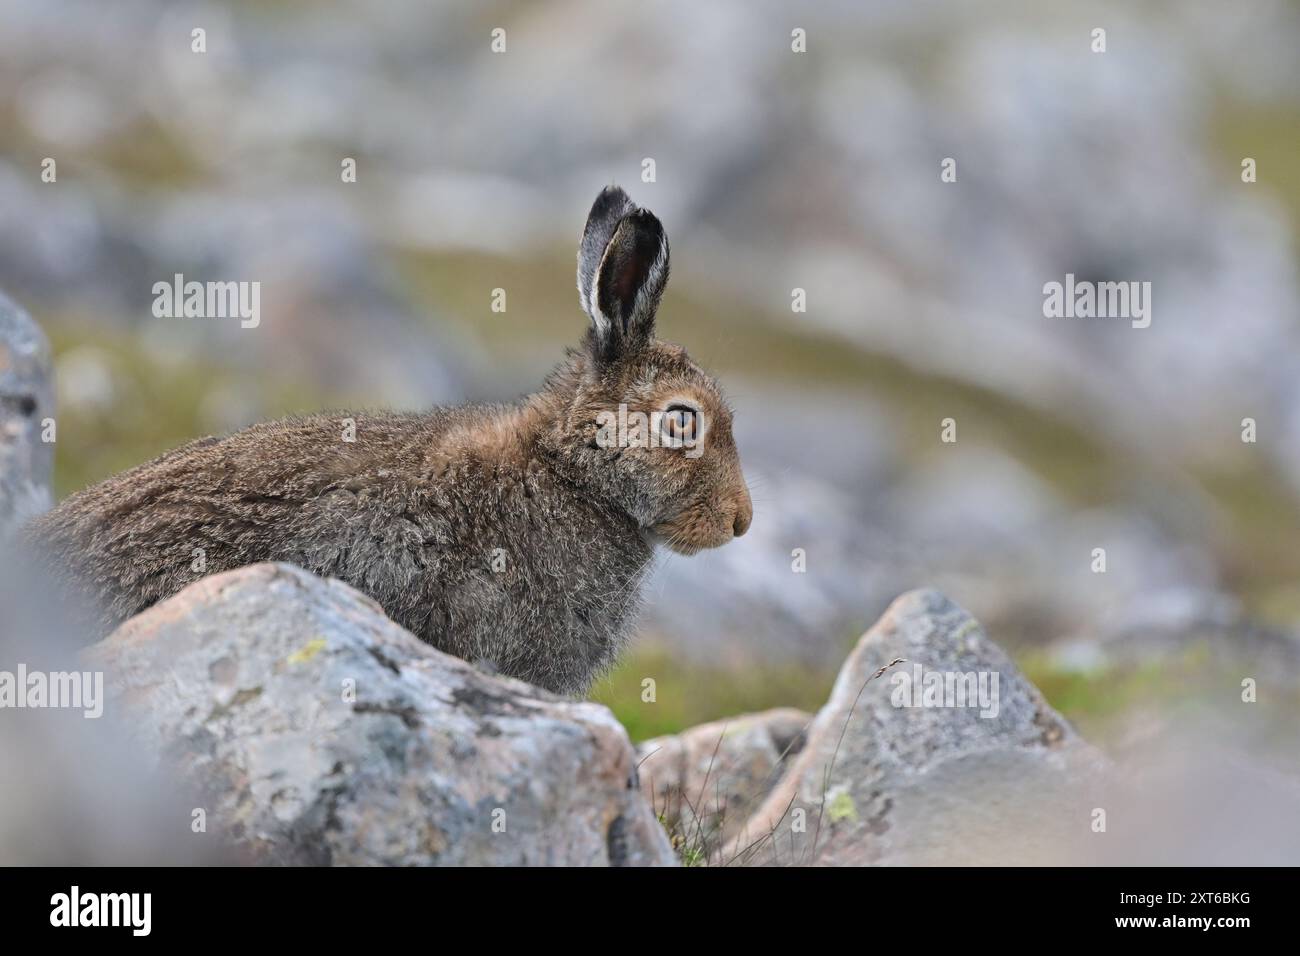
[26,399]
[704,782]
[323,733]
[933,749]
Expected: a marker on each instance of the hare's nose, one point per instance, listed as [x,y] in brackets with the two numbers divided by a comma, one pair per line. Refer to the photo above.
[744,515]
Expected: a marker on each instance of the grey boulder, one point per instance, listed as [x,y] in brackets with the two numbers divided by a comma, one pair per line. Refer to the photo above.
[705,782]
[26,399]
[900,769]
[320,732]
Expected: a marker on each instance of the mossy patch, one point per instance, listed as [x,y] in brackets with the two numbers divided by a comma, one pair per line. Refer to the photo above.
[307,651]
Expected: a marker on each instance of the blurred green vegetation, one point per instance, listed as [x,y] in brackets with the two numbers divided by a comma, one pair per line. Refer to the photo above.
[1107,704]
[156,404]
[1269,134]
[1261,562]
[687,693]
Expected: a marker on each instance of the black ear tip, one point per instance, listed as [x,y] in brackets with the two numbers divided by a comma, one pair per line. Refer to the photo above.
[646,221]
[611,198]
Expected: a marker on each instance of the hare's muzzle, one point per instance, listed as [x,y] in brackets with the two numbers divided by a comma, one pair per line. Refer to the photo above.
[744,513]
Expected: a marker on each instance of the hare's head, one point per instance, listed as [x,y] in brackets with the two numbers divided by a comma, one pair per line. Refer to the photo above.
[647,428]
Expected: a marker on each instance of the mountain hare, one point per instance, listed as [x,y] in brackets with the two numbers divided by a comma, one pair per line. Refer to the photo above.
[517,534]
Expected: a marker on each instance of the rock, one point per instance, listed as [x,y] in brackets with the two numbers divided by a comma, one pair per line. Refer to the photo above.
[76,792]
[705,782]
[1003,780]
[323,733]
[26,398]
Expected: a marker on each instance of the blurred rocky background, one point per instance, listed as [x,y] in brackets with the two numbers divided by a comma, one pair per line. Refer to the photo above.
[774,170]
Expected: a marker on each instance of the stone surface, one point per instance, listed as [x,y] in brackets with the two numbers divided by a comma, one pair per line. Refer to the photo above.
[704,782]
[74,791]
[26,398]
[323,733]
[880,783]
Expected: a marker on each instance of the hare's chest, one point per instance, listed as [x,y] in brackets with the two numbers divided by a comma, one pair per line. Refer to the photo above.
[573,604]
[545,585]
[591,573]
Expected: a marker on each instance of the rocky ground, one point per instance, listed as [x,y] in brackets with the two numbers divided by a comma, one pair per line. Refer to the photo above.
[322,733]
[267,716]
[309,729]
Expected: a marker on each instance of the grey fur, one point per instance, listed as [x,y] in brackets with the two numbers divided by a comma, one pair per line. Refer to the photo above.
[501,533]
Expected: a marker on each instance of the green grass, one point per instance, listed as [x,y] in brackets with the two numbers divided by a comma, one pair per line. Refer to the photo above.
[1180,687]
[687,694]
[1096,701]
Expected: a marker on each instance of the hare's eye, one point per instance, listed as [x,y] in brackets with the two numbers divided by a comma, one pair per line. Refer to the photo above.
[681,423]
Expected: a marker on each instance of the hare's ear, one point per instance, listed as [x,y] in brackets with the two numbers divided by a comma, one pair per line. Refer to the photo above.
[622,272]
